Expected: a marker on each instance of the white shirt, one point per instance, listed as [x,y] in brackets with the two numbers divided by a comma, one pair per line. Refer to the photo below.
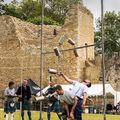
[79,89]
[9,91]
[67,97]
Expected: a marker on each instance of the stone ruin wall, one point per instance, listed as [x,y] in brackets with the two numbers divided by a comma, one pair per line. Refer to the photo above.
[20,47]
[78,26]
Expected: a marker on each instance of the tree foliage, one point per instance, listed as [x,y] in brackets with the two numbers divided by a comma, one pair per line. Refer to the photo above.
[111,32]
[13,10]
[58,8]
[38,20]
[30,10]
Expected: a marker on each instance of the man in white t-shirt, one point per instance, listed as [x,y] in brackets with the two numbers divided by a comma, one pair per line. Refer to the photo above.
[70,102]
[79,90]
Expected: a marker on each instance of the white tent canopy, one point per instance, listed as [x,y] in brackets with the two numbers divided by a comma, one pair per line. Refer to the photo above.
[94,90]
[97,89]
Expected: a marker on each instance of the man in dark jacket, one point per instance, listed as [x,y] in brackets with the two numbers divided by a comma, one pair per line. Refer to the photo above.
[24,94]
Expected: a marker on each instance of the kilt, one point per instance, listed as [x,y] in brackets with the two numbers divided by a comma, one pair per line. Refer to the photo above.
[54,107]
[9,106]
[26,105]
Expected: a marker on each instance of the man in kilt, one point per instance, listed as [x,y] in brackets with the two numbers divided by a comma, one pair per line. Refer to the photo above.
[53,102]
[9,104]
[24,94]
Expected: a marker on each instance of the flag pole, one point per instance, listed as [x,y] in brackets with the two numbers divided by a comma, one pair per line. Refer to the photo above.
[41,55]
[103,59]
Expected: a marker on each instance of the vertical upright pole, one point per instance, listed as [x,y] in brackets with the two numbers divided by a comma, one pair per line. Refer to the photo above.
[41,56]
[103,59]
[21,69]
[116,96]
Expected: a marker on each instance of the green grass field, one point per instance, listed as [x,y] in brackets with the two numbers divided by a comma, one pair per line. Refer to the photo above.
[35,116]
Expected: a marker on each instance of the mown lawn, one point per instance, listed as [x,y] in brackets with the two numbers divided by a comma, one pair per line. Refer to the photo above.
[35,116]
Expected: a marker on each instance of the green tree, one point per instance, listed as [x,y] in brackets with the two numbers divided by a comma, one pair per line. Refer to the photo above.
[13,10]
[58,8]
[111,32]
[38,20]
[1,7]
[30,10]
